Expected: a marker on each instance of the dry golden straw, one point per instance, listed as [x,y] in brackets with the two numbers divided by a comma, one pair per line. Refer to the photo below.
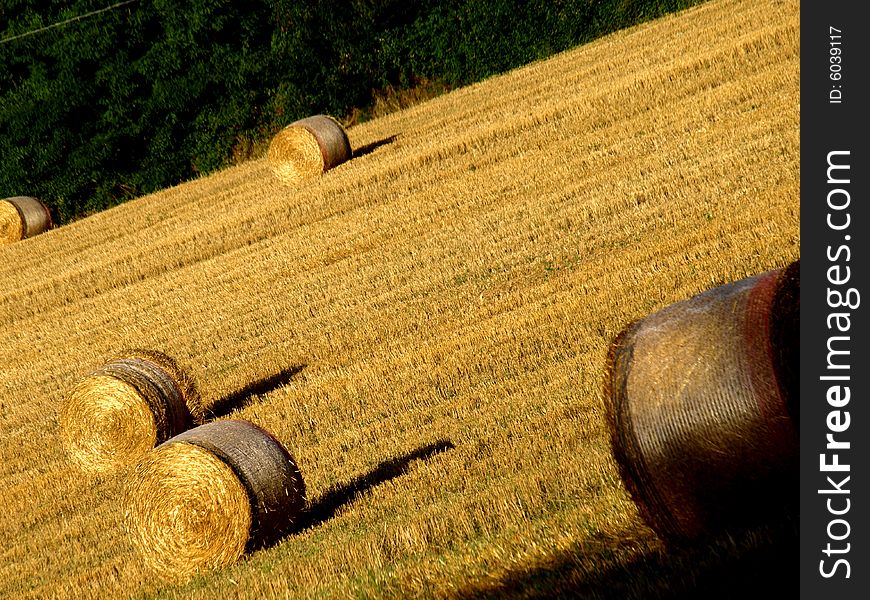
[308,148]
[124,408]
[203,498]
[701,398]
[11,227]
[22,217]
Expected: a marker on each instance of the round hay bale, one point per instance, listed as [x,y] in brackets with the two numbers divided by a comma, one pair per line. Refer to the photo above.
[203,498]
[22,217]
[308,148]
[124,408]
[700,398]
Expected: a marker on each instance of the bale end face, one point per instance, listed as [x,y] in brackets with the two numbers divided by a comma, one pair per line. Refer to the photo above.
[105,423]
[186,511]
[11,227]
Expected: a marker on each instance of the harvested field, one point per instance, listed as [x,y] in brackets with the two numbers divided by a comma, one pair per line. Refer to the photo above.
[424,327]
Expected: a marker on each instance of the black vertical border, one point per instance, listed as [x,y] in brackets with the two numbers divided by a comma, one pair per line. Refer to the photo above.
[827,126]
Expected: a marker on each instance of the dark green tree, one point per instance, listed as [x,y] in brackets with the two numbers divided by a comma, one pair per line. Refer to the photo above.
[149,93]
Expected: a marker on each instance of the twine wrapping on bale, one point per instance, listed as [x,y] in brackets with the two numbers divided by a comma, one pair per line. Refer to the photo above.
[123,409]
[22,217]
[203,498]
[701,399]
[308,148]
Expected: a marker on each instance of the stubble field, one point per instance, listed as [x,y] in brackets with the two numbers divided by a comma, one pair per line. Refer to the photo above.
[426,326]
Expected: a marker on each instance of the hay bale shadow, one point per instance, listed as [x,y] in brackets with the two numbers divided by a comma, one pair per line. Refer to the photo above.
[753,563]
[244,396]
[369,148]
[328,504]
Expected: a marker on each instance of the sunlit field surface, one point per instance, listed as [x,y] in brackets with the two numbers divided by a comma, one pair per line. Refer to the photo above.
[424,327]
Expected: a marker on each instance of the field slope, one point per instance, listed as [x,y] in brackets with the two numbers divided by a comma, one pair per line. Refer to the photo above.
[425,327]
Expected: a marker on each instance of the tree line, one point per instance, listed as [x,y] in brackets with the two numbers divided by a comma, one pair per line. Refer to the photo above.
[145,94]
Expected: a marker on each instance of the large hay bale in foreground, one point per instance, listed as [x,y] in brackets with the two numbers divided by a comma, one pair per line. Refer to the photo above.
[22,217]
[203,498]
[308,148]
[702,401]
[124,408]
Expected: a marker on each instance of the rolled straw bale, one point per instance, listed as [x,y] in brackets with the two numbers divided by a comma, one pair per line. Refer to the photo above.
[124,408]
[22,217]
[203,498]
[700,400]
[308,148]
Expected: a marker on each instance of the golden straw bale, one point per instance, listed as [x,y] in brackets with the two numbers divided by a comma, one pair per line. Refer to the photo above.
[203,498]
[187,511]
[11,227]
[33,218]
[121,410]
[308,148]
[701,400]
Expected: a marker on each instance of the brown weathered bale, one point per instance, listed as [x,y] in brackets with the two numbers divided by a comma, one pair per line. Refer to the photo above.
[701,397]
